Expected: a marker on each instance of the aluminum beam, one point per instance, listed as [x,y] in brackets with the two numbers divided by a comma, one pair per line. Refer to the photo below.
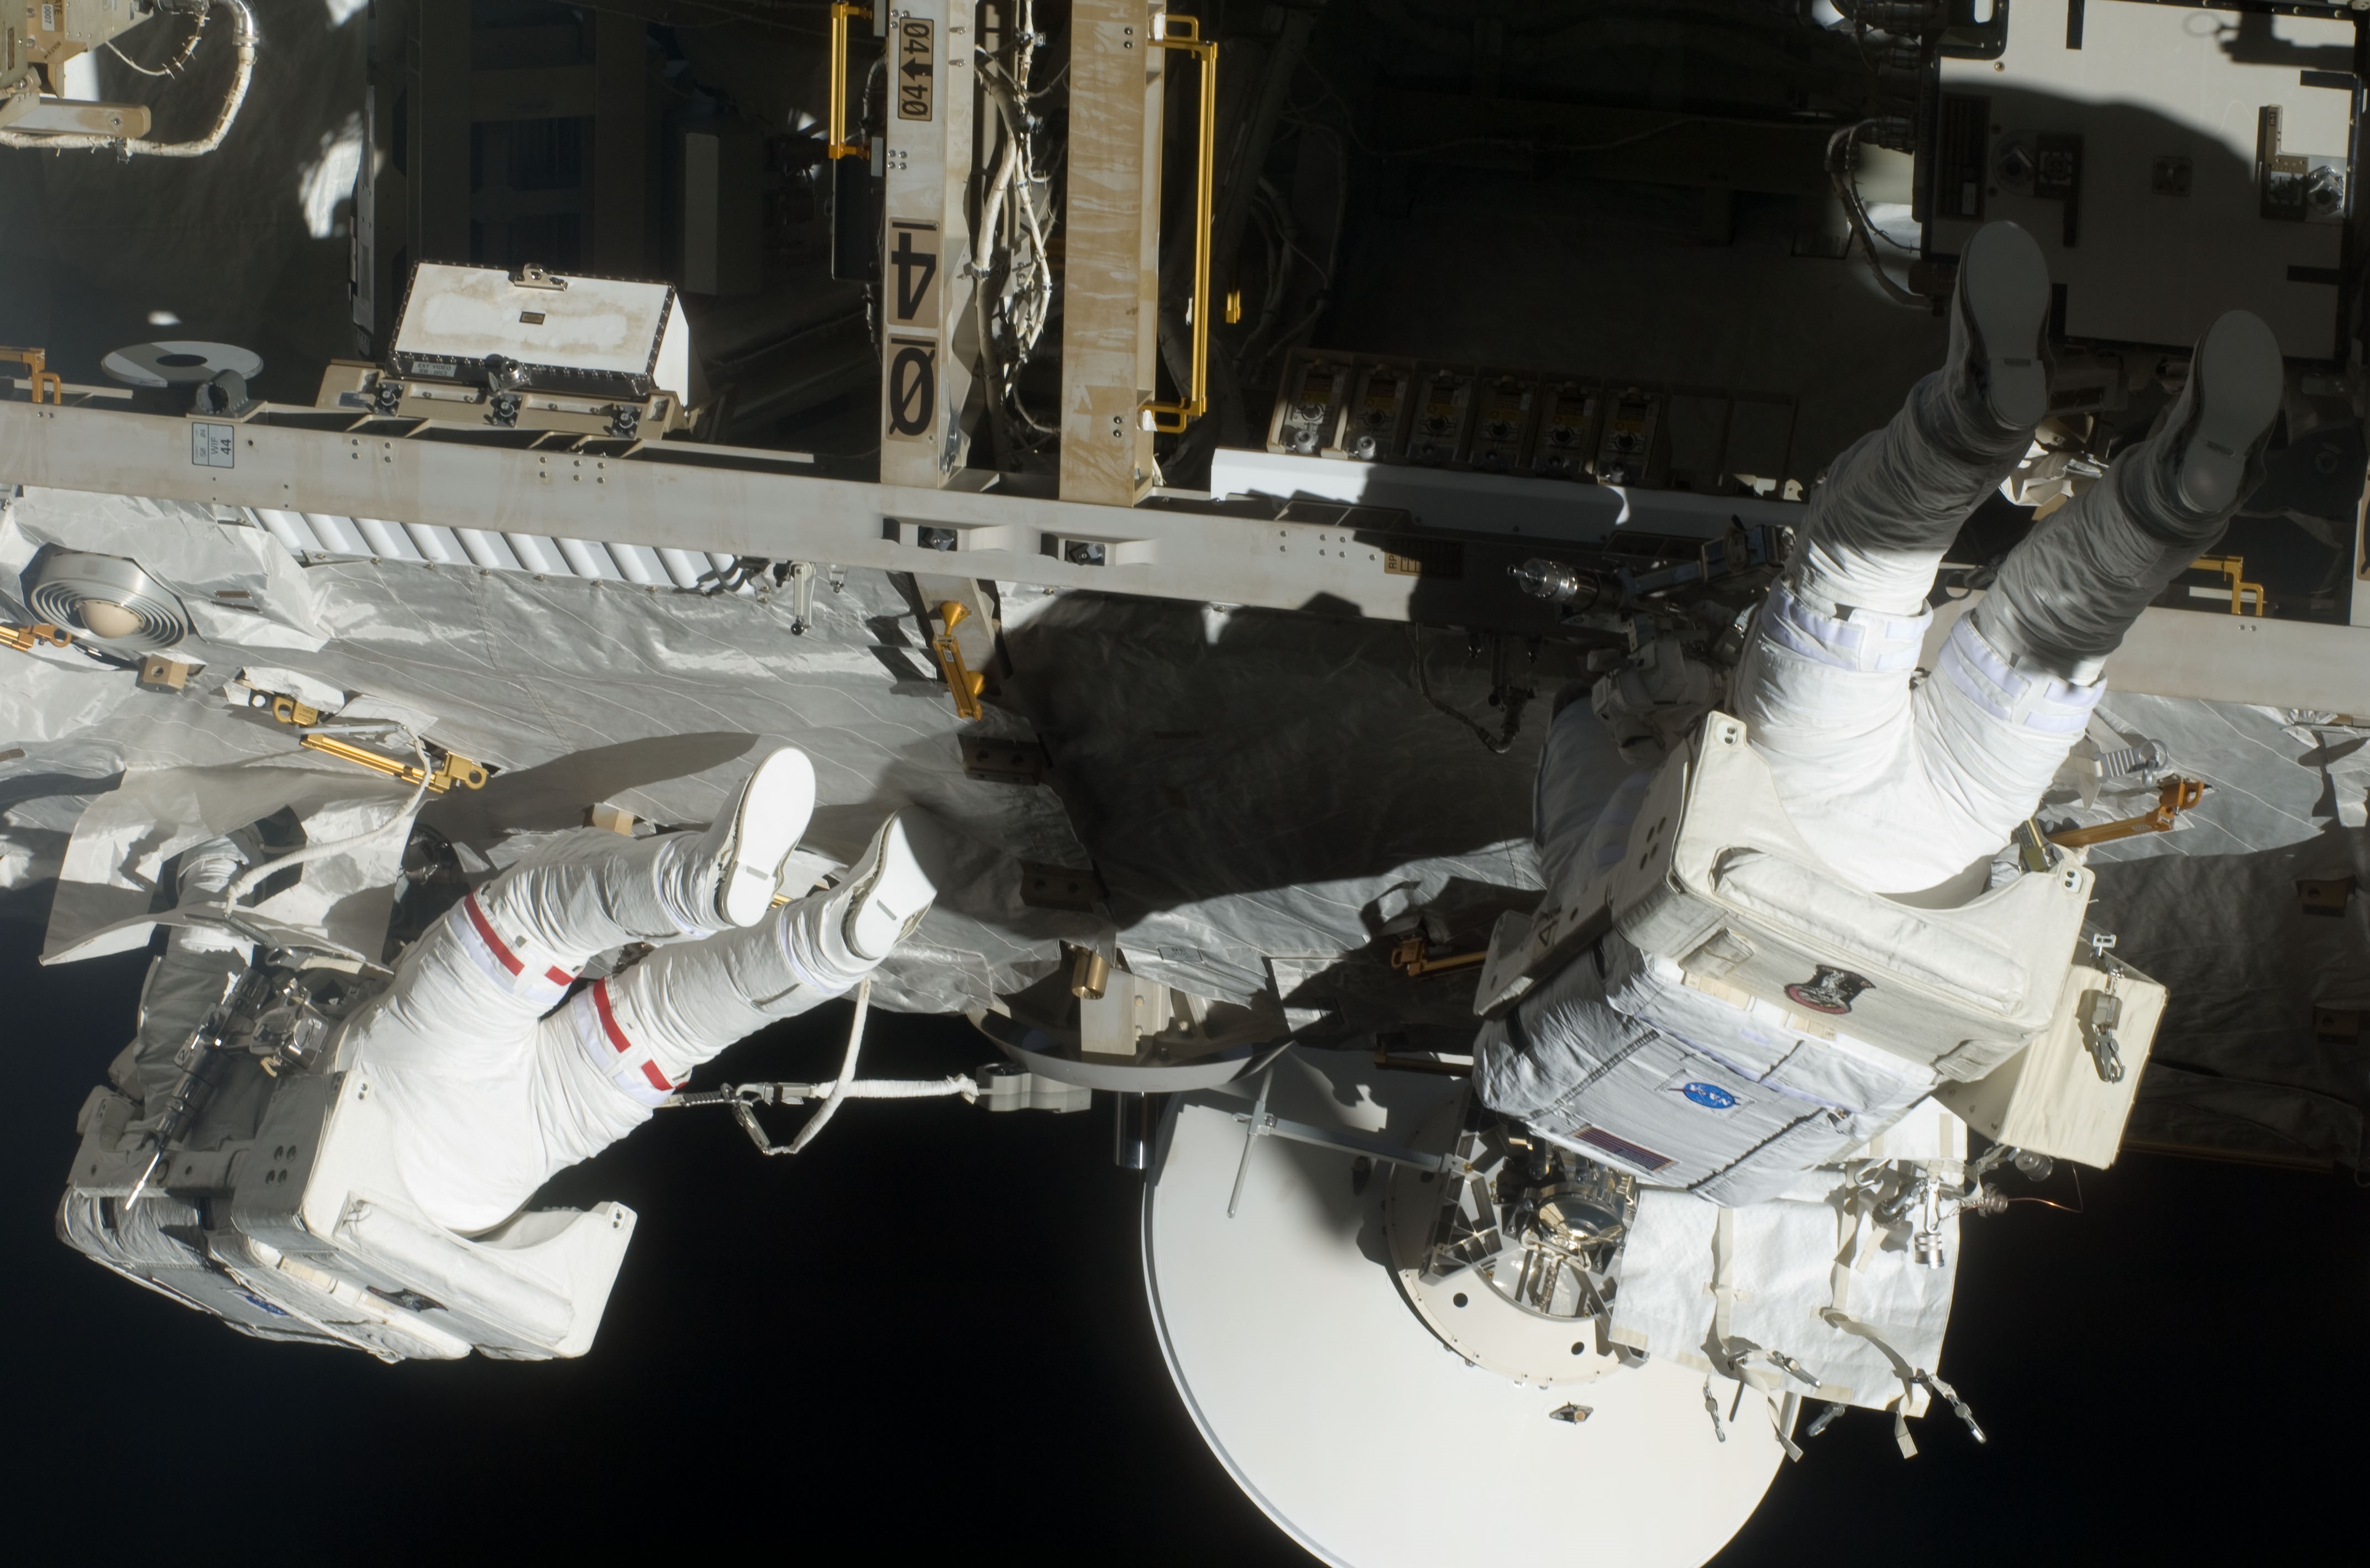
[720,500]
[714,500]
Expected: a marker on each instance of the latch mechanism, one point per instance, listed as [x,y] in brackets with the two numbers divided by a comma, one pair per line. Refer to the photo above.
[24,639]
[447,767]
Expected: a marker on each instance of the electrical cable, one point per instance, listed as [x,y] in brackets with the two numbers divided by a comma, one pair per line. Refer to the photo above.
[243,37]
[310,852]
[1842,141]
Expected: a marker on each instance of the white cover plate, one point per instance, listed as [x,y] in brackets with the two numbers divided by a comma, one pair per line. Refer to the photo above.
[467,313]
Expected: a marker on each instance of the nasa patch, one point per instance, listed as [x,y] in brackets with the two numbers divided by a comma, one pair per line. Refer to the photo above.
[1709,1095]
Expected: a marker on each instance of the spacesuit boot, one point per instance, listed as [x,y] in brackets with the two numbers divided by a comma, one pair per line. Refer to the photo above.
[1994,384]
[885,896]
[2065,596]
[1896,498]
[646,1028]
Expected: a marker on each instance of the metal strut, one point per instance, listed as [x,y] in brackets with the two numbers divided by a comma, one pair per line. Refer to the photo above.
[1261,1123]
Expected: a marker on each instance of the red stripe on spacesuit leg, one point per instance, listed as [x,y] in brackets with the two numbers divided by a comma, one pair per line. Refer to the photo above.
[609,1019]
[560,977]
[658,1079]
[486,929]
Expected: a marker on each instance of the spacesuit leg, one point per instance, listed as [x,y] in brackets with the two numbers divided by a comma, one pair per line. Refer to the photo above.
[2015,680]
[646,1027]
[483,1116]
[1825,683]
[665,887]
[2067,593]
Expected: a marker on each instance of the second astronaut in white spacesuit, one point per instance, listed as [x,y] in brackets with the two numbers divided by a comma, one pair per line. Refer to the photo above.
[496,1085]
[1901,787]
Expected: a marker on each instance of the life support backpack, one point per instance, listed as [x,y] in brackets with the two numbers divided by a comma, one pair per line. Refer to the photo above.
[304,1232]
[1717,1008]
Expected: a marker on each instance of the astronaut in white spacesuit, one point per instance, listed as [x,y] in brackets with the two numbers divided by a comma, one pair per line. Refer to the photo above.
[1902,788]
[496,1086]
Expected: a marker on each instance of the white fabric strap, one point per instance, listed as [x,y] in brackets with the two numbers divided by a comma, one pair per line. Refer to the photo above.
[613,1053]
[512,960]
[2034,698]
[1866,640]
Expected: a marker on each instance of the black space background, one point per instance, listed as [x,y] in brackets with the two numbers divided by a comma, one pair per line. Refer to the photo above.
[926,1340]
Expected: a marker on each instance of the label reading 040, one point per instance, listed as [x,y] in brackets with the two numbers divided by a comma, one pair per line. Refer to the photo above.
[917,63]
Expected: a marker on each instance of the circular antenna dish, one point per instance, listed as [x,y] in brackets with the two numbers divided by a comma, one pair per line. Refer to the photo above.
[112,599]
[179,364]
[1352,1424]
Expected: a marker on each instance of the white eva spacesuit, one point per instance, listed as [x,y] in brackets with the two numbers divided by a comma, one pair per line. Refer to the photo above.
[496,1085]
[367,1185]
[1899,787]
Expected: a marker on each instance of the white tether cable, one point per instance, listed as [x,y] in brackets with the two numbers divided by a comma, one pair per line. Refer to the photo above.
[839,1091]
[242,37]
[402,820]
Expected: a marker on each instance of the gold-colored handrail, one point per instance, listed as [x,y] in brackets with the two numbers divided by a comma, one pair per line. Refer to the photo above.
[1166,417]
[2233,569]
[964,683]
[453,769]
[839,146]
[37,372]
[2177,796]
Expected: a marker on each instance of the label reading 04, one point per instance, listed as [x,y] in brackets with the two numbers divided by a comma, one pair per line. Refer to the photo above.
[917,64]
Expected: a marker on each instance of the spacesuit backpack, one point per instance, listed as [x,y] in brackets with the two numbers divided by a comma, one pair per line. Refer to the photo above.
[1734,1012]
[263,1189]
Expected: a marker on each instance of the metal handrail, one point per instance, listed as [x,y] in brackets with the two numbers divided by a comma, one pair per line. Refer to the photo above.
[838,145]
[37,372]
[1166,417]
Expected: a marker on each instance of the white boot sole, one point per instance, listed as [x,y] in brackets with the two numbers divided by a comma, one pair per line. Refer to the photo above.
[2008,299]
[772,816]
[892,894]
[2238,378]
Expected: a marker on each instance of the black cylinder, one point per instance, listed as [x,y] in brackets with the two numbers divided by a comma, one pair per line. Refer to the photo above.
[1131,1117]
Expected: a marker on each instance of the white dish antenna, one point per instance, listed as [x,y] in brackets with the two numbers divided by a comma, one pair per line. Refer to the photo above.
[1350,1422]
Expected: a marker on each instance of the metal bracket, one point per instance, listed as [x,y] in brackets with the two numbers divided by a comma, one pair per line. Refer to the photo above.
[449,767]
[2177,796]
[24,639]
[1261,1122]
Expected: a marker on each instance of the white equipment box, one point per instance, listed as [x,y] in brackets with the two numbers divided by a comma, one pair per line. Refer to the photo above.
[590,336]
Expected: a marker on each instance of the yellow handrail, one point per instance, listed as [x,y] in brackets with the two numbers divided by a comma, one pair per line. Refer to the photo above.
[964,683]
[37,373]
[839,146]
[1164,416]
[2234,570]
